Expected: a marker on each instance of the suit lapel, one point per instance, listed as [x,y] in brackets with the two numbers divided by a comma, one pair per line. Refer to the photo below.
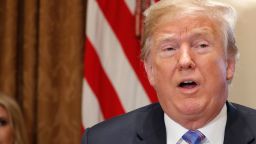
[152,127]
[237,130]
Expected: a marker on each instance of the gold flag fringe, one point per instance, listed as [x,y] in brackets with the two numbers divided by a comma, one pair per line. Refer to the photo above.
[141,6]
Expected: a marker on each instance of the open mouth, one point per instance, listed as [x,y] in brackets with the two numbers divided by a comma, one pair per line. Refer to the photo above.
[188,84]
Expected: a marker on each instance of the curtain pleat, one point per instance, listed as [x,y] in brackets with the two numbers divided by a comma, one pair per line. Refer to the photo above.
[41,65]
[8,44]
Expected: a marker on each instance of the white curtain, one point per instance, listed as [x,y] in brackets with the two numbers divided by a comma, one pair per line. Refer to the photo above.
[243,87]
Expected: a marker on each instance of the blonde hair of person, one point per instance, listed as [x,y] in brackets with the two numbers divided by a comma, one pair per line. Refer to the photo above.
[224,14]
[16,119]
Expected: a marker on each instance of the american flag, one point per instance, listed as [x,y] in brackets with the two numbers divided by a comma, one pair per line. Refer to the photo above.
[114,78]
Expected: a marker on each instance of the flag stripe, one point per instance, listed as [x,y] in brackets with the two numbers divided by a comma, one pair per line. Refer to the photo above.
[131,4]
[122,23]
[124,80]
[115,81]
[91,107]
[100,84]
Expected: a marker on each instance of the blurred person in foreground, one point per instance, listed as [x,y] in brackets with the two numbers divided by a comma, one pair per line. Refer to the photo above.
[189,53]
[12,128]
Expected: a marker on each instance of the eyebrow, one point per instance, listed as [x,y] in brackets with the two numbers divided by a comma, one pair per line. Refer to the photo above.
[194,33]
[202,31]
[165,37]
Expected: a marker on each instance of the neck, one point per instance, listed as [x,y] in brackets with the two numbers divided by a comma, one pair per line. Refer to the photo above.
[194,122]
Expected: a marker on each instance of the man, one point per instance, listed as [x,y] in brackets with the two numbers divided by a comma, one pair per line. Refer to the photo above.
[189,54]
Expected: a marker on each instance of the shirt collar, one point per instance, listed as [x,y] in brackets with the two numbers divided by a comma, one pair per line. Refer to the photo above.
[214,130]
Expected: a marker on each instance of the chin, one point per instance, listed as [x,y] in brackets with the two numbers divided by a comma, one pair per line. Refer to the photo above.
[191,108]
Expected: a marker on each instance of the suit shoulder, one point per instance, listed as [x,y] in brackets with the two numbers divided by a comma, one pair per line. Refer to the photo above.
[247,111]
[249,114]
[120,127]
[126,118]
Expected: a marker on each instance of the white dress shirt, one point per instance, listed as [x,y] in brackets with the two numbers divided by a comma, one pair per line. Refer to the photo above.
[214,131]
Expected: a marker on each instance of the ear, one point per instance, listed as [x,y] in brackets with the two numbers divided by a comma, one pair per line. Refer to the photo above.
[230,70]
[150,73]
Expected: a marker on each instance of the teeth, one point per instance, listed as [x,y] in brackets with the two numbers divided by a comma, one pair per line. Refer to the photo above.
[188,82]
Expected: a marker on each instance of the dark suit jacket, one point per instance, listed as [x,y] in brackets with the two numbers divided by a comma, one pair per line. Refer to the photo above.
[146,126]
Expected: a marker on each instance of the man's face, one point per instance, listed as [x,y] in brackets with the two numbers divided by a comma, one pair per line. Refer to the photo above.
[189,68]
[6,130]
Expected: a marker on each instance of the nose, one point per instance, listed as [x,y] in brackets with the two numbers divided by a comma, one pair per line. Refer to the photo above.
[185,60]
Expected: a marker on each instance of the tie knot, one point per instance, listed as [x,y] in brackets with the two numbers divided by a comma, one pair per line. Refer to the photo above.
[193,137]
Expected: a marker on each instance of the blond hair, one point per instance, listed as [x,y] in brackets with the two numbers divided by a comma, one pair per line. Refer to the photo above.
[222,13]
[16,119]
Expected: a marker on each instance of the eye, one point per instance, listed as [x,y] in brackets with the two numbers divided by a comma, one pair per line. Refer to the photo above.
[3,122]
[203,45]
[169,49]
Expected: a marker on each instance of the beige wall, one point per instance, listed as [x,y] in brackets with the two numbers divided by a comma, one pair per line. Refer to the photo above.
[243,87]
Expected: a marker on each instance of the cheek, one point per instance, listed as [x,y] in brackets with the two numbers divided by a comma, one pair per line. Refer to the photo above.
[214,74]
[163,73]
[218,70]
[165,66]
[164,79]
[213,67]
[6,135]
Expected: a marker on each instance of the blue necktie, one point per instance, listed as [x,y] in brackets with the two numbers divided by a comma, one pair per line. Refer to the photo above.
[193,137]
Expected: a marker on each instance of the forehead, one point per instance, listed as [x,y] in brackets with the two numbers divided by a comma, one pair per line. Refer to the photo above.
[194,25]
[3,112]
[201,32]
